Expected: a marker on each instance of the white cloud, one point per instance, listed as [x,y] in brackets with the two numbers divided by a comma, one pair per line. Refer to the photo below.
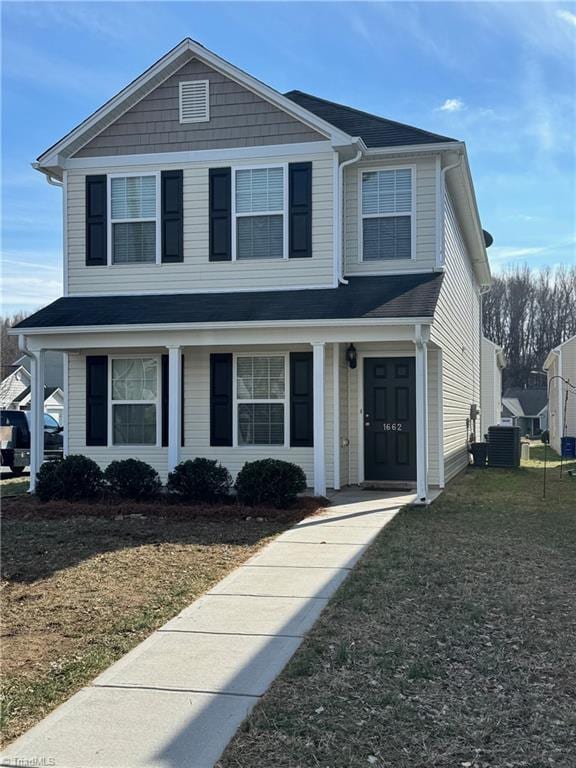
[452,105]
[567,16]
[30,279]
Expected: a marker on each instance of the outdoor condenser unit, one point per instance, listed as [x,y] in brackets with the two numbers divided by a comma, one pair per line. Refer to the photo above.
[503,446]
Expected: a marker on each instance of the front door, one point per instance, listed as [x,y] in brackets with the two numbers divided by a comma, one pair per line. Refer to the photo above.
[389,418]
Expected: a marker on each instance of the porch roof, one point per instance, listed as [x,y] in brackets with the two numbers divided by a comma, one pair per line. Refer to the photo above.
[394,296]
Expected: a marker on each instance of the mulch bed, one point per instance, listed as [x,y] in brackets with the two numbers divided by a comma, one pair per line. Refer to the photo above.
[26,507]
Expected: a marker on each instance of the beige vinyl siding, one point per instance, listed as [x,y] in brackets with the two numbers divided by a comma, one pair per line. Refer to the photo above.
[196,418]
[491,388]
[196,272]
[425,225]
[560,412]
[238,118]
[456,329]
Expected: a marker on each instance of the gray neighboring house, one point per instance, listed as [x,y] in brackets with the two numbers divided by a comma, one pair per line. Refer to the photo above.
[527,409]
[15,389]
[251,274]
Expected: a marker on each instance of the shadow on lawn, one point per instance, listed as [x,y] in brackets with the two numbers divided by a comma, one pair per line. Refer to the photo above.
[34,549]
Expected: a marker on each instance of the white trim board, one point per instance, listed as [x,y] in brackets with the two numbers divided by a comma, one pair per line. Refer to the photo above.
[200,155]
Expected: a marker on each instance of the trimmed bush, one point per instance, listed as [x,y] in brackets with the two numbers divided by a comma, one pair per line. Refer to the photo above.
[73,478]
[133,479]
[202,480]
[269,481]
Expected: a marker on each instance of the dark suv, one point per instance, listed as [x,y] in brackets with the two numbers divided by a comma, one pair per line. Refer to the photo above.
[16,454]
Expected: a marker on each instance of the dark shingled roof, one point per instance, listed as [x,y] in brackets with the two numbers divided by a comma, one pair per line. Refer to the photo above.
[375,131]
[531,400]
[363,297]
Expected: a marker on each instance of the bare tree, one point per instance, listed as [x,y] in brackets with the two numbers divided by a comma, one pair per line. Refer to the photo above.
[528,313]
[9,351]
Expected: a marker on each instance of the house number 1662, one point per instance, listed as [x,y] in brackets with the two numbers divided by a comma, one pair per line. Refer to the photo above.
[392,427]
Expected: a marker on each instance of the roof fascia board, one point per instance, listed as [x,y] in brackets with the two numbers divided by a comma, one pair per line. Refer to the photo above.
[451,146]
[337,136]
[248,325]
[197,156]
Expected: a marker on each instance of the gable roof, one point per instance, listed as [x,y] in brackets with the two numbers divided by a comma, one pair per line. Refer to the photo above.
[375,131]
[154,76]
[394,296]
[532,401]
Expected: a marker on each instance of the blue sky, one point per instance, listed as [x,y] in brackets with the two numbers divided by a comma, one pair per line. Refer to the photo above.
[500,76]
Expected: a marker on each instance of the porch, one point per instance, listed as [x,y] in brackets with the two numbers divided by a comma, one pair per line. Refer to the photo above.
[271,410]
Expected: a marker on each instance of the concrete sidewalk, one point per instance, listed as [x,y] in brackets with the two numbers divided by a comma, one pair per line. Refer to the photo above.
[177,699]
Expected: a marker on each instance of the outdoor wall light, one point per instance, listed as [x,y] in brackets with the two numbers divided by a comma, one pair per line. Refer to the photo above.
[351,357]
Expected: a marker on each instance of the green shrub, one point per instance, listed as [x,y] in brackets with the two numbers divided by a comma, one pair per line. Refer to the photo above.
[269,481]
[73,478]
[202,480]
[133,479]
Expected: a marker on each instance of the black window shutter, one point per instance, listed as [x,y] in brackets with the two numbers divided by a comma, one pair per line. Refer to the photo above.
[96,221]
[301,400]
[221,399]
[97,400]
[164,399]
[300,210]
[220,202]
[172,217]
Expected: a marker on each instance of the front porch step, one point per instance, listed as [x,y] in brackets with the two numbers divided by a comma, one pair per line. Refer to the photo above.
[388,485]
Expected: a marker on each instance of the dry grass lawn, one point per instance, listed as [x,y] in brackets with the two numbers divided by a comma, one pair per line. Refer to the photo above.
[451,645]
[78,592]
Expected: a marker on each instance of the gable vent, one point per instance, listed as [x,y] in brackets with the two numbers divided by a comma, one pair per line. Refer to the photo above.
[194,101]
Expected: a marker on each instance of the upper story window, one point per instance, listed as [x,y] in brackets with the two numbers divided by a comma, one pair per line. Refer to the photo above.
[261,400]
[260,215]
[134,219]
[387,214]
[194,101]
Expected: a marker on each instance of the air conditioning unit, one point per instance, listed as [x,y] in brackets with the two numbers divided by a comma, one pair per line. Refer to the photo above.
[504,446]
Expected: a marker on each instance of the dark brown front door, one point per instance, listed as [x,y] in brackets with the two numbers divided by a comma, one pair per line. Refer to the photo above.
[389,418]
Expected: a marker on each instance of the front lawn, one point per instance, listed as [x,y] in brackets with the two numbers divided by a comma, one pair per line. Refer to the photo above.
[80,591]
[451,645]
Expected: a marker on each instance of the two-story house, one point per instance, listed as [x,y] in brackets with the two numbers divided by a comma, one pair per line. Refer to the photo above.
[250,274]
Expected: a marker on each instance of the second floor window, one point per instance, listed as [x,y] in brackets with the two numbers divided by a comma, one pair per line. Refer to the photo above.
[260,216]
[387,214]
[133,219]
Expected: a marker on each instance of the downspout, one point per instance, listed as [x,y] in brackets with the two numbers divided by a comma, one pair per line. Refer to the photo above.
[340,230]
[442,238]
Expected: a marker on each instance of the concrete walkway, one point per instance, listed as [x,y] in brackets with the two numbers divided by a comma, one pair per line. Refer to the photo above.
[177,699]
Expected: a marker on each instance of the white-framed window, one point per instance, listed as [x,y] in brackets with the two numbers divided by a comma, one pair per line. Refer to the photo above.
[134,407]
[387,214]
[134,218]
[259,208]
[260,400]
[194,101]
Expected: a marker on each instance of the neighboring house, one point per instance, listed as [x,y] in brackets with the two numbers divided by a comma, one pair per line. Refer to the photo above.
[527,408]
[15,393]
[561,362]
[53,368]
[249,274]
[492,362]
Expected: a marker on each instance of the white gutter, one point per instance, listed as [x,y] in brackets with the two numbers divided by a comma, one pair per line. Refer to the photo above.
[455,146]
[339,250]
[49,178]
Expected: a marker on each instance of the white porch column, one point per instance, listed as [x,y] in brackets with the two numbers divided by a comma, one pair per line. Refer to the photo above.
[36,415]
[319,450]
[174,406]
[336,414]
[421,420]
